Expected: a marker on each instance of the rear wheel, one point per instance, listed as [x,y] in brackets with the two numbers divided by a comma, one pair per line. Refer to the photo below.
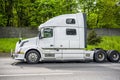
[32,57]
[113,55]
[99,56]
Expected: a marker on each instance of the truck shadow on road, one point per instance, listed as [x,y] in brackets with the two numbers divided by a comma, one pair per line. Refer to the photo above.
[66,65]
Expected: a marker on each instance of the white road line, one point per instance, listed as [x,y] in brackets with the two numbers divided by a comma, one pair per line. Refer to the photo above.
[40,74]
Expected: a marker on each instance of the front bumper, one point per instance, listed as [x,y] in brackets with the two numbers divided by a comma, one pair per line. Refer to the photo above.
[17,56]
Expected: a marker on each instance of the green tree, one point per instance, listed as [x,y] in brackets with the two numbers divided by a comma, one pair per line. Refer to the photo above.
[106,14]
[43,10]
[6,12]
[101,13]
[21,13]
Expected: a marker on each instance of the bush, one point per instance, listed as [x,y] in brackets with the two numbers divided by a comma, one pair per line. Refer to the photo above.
[93,39]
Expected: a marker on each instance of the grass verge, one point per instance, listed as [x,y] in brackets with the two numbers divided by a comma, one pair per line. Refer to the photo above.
[6,44]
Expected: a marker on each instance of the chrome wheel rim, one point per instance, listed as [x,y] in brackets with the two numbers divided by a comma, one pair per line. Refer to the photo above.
[32,57]
[101,56]
[115,56]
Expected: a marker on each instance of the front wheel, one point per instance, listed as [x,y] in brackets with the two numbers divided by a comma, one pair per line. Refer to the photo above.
[32,57]
[99,56]
[113,55]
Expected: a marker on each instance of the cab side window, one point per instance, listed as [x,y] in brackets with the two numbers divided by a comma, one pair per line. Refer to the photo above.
[71,32]
[48,32]
[70,21]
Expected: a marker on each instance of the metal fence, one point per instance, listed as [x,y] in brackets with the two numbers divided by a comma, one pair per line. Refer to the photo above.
[12,32]
[27,32]
[107,31]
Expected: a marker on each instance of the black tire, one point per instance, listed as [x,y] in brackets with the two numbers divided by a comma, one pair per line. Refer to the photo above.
[113,56]
[100,56]
[32,57]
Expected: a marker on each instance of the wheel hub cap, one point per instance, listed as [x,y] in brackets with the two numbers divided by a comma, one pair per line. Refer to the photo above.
[115,56]
[32,57]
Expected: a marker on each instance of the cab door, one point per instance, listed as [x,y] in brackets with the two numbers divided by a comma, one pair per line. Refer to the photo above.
[47,44]
[47,40]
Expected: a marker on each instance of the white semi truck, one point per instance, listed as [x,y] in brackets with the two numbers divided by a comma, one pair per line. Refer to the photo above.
[62,38]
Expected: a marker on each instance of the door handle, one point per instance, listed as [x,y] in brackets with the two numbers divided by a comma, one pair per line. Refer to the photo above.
[51,45]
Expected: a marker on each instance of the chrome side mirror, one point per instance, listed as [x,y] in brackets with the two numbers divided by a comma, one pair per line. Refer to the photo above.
[41,35]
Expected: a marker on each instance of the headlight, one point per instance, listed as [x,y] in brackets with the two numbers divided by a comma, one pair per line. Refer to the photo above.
[23,43]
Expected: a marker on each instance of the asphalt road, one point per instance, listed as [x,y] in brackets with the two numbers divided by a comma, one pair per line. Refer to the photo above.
[15,70]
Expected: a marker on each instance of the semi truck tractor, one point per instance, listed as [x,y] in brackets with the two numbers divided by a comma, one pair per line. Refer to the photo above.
[62,38]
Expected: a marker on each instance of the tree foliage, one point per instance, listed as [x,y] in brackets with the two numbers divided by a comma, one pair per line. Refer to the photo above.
[101,13]
[31,13]
[20,13]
